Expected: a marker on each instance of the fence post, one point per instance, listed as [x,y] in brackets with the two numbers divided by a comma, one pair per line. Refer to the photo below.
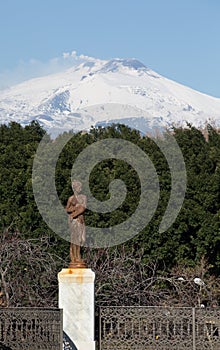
[194,327]
[61,329]
[76,298]
[100,328]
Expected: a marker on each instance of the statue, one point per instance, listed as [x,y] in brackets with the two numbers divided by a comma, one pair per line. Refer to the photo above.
[76,205]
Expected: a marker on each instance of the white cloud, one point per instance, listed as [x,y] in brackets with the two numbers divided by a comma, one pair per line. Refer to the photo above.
[86,58]
[66,55]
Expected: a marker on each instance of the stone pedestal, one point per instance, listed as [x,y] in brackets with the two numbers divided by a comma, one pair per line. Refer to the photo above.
[76,298]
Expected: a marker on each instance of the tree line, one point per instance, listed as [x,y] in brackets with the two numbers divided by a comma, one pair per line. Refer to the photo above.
[149,265]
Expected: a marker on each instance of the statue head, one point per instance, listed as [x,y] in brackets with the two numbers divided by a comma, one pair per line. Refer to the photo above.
[76,186]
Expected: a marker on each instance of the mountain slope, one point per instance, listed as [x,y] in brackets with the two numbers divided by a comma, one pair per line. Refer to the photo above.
[99,92]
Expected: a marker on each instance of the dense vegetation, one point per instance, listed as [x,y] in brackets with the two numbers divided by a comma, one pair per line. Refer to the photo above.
[148,265]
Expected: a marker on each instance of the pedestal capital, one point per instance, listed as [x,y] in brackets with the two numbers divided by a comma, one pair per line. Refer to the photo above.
[76,275]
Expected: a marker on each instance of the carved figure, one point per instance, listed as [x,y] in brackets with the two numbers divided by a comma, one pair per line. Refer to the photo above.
[76,206]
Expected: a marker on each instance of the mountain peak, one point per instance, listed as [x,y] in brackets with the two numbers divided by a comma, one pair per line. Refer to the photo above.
[101,91]
[115,64]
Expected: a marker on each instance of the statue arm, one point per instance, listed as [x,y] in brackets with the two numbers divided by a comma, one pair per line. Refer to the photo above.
[79,208]
[70,205]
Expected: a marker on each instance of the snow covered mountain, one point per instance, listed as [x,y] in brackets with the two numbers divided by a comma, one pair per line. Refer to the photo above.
[98,92]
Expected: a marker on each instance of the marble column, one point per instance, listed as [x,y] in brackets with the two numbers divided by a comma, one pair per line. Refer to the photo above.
[76,298]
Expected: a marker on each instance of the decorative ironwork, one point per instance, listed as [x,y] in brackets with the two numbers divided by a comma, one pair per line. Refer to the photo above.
[207,329]
[158,328]
[31,328]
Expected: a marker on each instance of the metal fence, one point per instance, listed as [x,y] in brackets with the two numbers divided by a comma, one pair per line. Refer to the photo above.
[31,329]
[158,328]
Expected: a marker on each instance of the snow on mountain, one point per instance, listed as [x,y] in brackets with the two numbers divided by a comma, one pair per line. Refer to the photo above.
[98,92]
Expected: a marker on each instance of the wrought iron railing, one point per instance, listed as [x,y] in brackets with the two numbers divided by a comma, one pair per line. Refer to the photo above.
[158,328]
[31,329]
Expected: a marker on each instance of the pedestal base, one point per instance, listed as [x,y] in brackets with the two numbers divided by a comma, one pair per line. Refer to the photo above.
[76,298]
[80,345]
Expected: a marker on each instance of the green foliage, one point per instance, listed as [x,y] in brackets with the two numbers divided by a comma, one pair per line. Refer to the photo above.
[17,148]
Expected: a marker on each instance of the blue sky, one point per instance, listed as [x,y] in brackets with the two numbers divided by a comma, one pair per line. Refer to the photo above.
[179,39]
